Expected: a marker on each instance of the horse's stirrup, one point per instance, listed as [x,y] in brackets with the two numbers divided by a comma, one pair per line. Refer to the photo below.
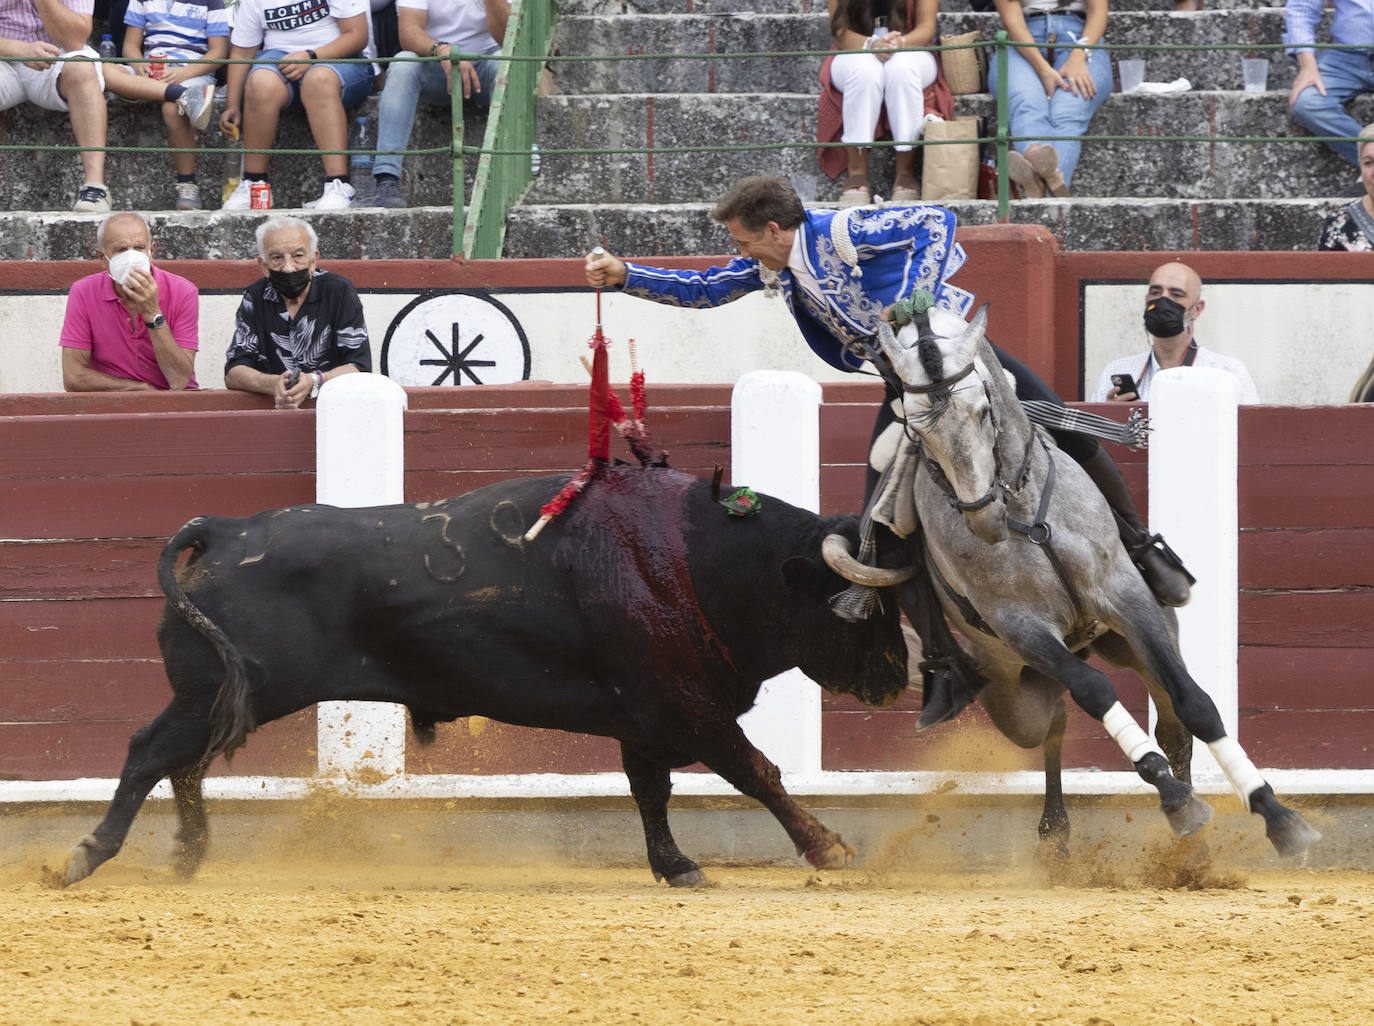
[1163,571]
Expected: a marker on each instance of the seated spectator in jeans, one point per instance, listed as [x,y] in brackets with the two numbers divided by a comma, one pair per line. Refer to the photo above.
[297,327]
[881,80]
[434,28]
[131,327]
[313,33]
[1328,80]
[1352,226]
[180,33]
[58,29]
[1052,89]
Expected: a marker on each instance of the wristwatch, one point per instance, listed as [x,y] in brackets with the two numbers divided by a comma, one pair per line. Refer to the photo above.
[157,322]
[319,383]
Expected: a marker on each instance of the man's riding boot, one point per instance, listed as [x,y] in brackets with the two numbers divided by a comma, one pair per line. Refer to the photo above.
[943,695]
[949,682]
[1163,571]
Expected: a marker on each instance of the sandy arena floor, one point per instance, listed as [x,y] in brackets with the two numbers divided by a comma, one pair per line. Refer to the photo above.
[292,938]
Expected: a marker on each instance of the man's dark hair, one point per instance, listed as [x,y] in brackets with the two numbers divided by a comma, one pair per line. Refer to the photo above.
[759,199]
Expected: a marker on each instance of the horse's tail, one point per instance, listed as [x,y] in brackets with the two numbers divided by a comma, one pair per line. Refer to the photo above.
[231,716]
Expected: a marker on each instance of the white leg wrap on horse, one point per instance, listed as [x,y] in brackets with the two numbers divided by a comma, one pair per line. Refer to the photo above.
[1239,770]
[1127,733]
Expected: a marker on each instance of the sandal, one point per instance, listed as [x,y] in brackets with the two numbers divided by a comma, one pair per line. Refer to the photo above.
[856,196]
[1046,163]
[1019,170]
[904,195]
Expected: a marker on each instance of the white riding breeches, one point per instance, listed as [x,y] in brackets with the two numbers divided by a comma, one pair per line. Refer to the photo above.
[868,84]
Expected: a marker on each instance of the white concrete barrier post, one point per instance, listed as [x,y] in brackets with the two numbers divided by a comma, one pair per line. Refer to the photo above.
[1193,504]
[360,461]
[775,448]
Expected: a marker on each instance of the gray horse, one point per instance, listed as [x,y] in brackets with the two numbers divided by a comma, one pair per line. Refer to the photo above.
[1030,569]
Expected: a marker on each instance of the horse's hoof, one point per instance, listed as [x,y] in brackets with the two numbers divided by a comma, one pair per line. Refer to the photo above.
[79,863]
[837,856]
[1189,817]
[692,878]
[185,863]
[1290,834]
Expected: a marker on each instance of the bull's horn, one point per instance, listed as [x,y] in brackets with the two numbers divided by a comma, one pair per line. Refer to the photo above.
[839,557]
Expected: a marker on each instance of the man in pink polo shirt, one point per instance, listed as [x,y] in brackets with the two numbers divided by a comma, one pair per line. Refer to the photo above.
[131,327]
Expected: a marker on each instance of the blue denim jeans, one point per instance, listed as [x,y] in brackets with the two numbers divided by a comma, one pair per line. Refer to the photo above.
[408,83]
[1030,112]
[355,80]
[1347,74]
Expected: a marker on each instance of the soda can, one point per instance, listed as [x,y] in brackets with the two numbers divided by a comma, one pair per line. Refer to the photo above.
[157,64]
[260,196]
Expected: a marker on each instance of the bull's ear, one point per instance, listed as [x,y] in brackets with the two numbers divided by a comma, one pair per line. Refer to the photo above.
[807,575]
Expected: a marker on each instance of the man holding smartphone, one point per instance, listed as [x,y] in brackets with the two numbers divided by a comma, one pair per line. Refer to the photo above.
[1173,304]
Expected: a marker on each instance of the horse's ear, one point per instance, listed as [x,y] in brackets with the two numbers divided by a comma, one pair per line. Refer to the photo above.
[887,341]
[976,332]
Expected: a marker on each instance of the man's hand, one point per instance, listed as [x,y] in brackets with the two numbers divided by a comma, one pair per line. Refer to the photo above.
[471,83]
[294,72]
[33,52]
[229,122]
[1117,396]
[605,269]
[1308,75]
[289,397]
[140,293]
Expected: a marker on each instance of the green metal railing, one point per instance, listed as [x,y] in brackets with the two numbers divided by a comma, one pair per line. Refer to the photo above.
[504,165]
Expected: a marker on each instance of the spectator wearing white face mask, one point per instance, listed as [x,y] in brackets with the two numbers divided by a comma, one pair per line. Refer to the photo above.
[131,327]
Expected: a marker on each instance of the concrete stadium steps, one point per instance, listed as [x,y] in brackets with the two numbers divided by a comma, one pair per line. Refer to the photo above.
[416,233]
[146,181]
[624,36]
[1079,224]
[1109,168]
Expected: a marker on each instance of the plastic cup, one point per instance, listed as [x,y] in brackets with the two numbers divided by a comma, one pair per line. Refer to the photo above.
[1132,75]
[1255,71]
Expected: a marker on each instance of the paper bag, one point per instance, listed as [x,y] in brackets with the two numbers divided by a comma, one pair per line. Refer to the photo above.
[950,170]
[964,69]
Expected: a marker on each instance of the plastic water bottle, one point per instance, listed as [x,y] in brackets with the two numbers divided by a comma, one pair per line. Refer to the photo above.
[535,158]
[360,166]
[107,49]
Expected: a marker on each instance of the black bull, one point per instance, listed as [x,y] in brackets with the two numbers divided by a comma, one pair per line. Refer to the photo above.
[644,613]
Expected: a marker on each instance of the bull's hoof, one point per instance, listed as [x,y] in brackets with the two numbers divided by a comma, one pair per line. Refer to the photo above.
[692,878]
[1290,834]
[186,860]
[80,863]
[1189,817]
[836,855]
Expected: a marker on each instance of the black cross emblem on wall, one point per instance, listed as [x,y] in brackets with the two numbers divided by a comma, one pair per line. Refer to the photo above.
[456,362]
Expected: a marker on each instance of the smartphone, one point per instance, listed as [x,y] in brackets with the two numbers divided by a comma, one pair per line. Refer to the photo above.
[1125,383]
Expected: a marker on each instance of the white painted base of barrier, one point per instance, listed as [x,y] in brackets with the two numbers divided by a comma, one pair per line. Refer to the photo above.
[826,784]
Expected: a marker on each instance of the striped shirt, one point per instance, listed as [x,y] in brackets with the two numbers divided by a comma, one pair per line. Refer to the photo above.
[1352,25]
[179,27]
[19,19]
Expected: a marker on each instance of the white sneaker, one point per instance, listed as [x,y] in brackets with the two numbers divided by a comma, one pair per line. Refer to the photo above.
[241,198]
[196,105]
[337,195]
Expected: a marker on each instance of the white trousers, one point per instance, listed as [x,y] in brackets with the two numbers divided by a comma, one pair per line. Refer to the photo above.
[868,83]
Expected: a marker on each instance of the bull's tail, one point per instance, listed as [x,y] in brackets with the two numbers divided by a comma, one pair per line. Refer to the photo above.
[231,716]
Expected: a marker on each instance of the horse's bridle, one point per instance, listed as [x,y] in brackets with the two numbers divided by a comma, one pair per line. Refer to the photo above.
[999,483]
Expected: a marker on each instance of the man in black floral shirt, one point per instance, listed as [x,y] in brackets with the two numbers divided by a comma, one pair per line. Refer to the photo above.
[297,327]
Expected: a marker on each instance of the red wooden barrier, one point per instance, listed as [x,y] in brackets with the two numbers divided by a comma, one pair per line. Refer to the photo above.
[91,487]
